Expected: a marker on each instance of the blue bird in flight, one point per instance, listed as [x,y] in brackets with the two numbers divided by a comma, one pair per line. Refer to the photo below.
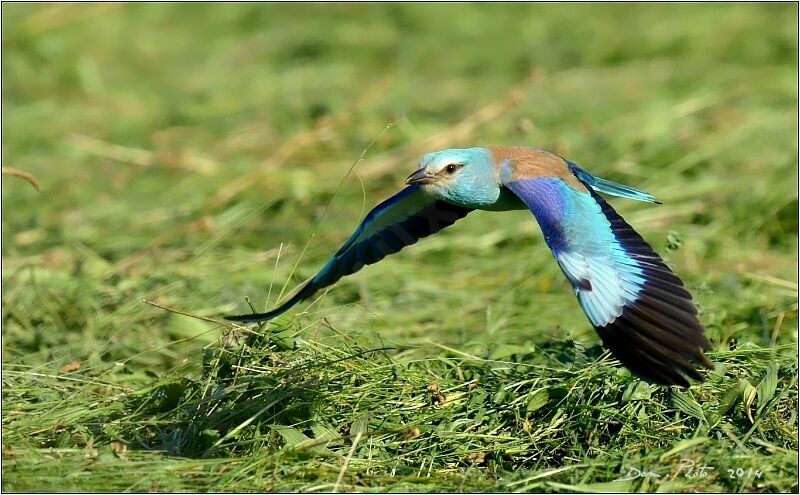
[639,307]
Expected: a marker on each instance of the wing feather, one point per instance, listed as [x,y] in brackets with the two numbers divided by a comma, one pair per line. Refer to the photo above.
[394,224]
[640,309]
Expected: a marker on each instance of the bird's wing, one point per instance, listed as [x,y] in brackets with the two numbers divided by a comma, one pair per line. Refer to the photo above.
[394,224]
[640,309]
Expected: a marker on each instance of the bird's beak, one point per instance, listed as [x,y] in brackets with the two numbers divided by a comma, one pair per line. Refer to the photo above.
[420,176]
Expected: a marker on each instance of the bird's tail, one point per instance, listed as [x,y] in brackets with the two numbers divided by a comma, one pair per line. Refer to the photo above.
[609,187]
[306,291]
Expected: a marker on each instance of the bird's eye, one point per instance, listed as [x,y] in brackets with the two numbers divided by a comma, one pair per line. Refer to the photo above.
[451,169]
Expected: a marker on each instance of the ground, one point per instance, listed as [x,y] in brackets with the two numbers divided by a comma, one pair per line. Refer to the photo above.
[193,156]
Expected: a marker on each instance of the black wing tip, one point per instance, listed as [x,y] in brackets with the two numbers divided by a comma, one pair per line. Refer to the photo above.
[251,318]
[659,337]
[665,354]
[305,291]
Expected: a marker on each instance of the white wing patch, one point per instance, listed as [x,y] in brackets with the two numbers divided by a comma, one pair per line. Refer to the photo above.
[603,285]
[597,285]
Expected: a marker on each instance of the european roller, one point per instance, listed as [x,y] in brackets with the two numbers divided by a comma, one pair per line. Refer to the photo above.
[639,307]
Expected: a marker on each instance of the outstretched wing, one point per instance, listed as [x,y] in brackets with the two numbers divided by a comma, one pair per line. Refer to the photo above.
[640,309]
[394,224]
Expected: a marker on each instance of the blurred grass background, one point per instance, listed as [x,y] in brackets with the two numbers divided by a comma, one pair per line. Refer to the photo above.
[187,153]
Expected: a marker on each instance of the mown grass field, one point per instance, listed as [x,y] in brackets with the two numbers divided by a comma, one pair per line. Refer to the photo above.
[195,156]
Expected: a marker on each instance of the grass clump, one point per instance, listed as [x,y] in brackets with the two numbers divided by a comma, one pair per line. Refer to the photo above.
[316,417]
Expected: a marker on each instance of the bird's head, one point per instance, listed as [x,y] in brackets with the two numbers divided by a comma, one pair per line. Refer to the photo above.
[466,177]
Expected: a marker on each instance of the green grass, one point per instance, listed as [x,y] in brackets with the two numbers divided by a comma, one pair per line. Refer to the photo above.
[187,154]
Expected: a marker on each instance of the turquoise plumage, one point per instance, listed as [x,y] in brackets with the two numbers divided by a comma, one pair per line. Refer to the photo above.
[640,309]
[608,187]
